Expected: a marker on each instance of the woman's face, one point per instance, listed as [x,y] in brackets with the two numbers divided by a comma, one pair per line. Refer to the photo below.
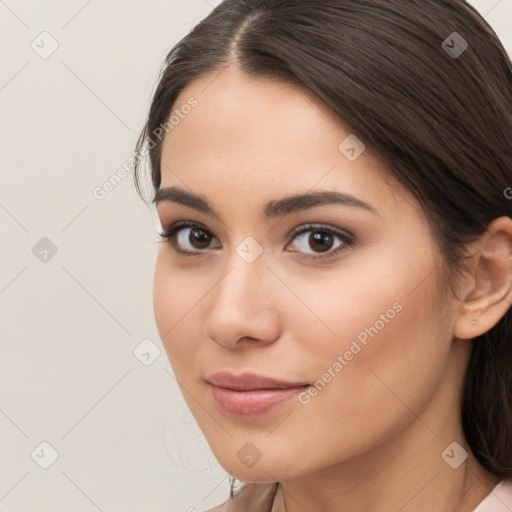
[333,291]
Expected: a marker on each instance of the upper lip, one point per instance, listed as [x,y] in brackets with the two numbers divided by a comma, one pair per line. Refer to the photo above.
[249,381]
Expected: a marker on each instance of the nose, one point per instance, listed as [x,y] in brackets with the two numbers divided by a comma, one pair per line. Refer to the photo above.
[244,306]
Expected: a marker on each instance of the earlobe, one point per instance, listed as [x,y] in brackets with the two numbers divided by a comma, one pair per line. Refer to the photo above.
[490,294]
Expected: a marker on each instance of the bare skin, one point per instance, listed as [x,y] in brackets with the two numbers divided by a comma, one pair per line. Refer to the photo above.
[372,439]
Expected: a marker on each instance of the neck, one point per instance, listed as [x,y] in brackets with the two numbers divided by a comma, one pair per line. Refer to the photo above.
[461,494]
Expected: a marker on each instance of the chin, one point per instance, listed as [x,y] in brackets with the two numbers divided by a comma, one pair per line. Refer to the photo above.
[264,471]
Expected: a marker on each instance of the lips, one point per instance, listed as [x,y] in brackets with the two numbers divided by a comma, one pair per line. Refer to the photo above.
[250,395]
[250,381]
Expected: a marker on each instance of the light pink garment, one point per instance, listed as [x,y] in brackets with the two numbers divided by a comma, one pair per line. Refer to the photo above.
[252,497]
[498,500]
[259,498]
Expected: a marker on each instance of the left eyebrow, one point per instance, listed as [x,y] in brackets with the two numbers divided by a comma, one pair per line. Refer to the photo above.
[301,202]
[276,208]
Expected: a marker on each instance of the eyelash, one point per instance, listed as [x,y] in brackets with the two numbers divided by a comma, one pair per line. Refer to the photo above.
[168,236]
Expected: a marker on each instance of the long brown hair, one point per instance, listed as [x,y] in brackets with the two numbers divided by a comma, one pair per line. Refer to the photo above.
[428,86]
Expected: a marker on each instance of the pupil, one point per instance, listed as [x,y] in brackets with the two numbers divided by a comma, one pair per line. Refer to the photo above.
[322,239]
[199,239]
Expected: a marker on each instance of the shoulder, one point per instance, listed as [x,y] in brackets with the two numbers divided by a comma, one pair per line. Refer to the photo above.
[252,497]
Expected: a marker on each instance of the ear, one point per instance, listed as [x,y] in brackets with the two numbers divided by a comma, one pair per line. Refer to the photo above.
[490,282]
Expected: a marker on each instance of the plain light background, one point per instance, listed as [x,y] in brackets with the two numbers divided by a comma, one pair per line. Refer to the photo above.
[82,368]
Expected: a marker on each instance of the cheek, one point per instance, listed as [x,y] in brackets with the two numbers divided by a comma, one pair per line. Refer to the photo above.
[176,298]
[372,295]
[377,391]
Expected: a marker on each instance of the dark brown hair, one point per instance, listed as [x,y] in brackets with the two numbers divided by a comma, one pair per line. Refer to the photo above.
[440,121]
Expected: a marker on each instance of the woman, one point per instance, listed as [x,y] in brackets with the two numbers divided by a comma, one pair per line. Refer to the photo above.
[333,179]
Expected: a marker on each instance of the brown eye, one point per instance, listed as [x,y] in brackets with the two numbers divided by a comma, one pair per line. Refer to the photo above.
[321,241]
[193,238]
[199,238]
[189,238]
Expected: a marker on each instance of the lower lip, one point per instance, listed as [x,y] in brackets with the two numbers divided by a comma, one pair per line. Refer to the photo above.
[249,404]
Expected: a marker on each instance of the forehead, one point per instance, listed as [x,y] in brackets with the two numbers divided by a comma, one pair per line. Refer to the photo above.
[234,109]
[265,138]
